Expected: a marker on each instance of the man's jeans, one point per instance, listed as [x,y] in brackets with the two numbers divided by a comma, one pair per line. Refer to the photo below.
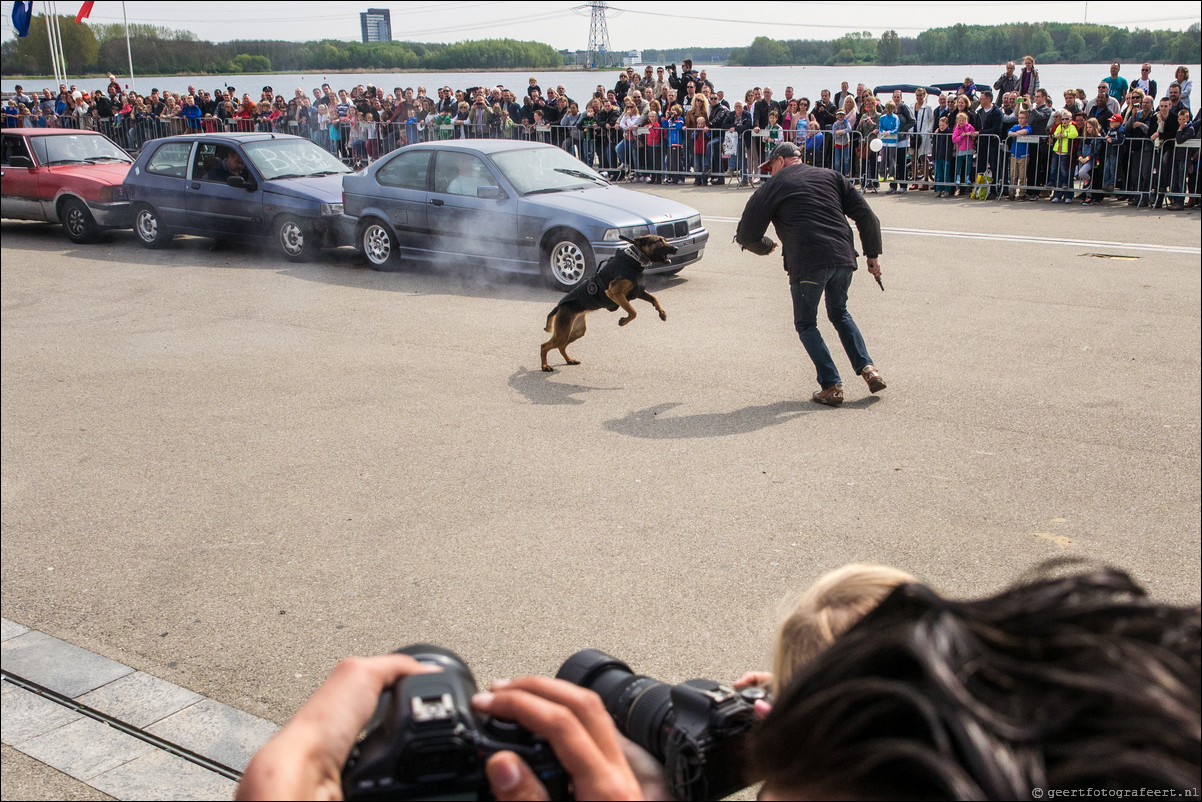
[835,281]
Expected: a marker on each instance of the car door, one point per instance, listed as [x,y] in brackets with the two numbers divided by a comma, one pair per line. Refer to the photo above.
[401,195]
[214,206]
[20,196]
[161,184]
[464,224]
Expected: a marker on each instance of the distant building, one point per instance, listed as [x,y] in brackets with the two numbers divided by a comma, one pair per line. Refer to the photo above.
[376,24]
[632,58]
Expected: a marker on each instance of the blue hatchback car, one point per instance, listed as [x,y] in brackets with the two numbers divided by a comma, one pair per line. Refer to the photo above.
[238,186]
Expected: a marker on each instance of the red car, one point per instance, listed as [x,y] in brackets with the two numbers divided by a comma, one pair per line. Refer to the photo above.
[66,176]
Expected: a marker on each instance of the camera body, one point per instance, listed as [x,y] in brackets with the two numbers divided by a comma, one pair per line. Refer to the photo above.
[697,729]
[425,742]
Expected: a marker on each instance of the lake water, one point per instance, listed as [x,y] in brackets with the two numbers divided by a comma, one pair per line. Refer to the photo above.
[734,81]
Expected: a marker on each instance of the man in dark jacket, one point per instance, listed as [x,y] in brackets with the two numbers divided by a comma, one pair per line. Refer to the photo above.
[991,132]
[809,207]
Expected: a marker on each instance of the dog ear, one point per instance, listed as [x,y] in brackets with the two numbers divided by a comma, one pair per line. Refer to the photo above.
[627,239]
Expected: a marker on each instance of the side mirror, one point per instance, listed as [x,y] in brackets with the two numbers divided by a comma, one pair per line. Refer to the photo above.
[20,161]
[241,182]
[490,193]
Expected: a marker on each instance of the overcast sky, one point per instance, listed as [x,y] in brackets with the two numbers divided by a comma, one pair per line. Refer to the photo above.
[632,25]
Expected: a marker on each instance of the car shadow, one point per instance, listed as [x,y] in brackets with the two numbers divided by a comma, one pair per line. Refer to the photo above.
[651,423]
[539,387]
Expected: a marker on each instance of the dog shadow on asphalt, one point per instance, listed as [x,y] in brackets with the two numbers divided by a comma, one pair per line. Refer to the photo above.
[539,389]
[652,424]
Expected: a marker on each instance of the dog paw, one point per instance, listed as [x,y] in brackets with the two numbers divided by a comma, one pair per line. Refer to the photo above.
[623,321]
[548,369]
[573,361]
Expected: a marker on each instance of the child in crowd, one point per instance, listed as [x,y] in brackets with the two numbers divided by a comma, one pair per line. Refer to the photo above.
[828,609]
[813,145]
[1186,130]
[772,134]
[1114,142]
[888,125]
[867,127]
[701,152]
[1088,156]
[371,137]
[674,127]
[1062,146]
[943,150]
[1018,157]
[654,160]
[841,133]
[963,139]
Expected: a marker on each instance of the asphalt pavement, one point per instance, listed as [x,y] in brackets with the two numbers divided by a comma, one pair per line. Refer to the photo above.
[228,471]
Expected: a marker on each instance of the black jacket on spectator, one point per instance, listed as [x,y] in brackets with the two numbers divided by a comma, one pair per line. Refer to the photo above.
[1039,117]
[809,207]
[905,119]
[824,113]
[759,112]
[991,122]
[721,117]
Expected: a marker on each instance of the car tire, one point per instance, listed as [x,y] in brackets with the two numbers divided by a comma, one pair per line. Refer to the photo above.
[149,228]
[295,238]
[567,260]
[77,221]
[378,244]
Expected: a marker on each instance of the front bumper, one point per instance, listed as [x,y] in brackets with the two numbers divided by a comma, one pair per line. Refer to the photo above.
[111,215]
[689,249]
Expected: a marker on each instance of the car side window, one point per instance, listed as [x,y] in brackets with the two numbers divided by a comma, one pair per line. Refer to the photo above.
[171,159]
[12,146]
[208,156]
[460,174]
[409,170]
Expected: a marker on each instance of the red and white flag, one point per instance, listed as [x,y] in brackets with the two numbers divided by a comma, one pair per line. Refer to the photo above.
[84,11]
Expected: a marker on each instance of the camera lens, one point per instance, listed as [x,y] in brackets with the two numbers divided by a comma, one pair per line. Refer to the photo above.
[641,706]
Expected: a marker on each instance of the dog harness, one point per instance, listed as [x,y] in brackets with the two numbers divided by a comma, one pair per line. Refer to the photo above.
[628,264]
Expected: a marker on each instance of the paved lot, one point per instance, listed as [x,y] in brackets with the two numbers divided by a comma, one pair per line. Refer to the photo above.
[228,471]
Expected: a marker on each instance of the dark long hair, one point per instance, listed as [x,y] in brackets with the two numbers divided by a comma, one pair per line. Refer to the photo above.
[1077,682]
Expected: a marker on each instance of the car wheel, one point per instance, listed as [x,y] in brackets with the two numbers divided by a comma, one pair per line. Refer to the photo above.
[567,260]
[149,228]
[295,239]
[77,221]
[378,244]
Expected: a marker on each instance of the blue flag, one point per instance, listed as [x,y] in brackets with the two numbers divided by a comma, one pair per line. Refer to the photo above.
[22,14]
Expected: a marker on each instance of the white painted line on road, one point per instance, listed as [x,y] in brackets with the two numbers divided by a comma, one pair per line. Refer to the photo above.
[1074,243]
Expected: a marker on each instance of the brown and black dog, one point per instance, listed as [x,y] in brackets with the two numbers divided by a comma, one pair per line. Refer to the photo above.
[616,284]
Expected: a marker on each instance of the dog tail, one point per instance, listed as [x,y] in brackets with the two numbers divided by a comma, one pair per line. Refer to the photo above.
[550,315]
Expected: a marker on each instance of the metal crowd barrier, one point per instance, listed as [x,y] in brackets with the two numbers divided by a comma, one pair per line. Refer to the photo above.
[1144,172]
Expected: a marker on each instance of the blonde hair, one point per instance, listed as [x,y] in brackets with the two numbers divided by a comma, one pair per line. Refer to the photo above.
[1092,124]
[831,606]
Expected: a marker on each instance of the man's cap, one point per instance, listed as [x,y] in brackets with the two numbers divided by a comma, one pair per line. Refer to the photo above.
[783,150]
[1118,118]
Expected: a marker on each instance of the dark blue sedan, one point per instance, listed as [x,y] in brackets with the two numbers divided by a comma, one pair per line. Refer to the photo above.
[238,186]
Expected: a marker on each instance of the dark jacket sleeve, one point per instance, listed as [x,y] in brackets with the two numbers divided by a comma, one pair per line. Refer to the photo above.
[855,207]
[757,214]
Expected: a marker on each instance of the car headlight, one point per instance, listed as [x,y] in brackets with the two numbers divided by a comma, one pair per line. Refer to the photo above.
[615,234]
[113,193]
[694,222]
[331,209]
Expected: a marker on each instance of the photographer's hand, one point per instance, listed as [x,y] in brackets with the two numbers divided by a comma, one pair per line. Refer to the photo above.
[304,760]
[582,734]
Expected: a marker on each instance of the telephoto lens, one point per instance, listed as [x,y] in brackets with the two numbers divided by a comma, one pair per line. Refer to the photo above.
[697,730]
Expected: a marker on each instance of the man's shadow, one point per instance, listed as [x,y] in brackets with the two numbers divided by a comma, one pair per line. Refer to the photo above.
[652,423]
[537,387]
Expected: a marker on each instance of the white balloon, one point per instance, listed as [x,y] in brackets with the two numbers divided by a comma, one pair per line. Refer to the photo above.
[876,145]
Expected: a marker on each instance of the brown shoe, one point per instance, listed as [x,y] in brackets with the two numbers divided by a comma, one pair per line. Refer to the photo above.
[832,396]
[873,377]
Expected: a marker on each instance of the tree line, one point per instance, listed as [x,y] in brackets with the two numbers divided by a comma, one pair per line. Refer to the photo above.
[159,50]
[1048,42]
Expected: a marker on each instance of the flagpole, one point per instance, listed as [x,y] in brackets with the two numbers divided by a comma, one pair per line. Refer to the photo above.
[50,36]
[58,40]
[128,51]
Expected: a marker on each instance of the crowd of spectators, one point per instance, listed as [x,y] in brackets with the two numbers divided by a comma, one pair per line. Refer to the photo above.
[669,124]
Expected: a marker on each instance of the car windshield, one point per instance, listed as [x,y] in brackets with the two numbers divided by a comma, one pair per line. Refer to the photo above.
[547,169]
[291,158]
[81,149]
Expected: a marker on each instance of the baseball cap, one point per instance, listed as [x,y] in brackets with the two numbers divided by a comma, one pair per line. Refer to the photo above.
[784,149]
[1118,118]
